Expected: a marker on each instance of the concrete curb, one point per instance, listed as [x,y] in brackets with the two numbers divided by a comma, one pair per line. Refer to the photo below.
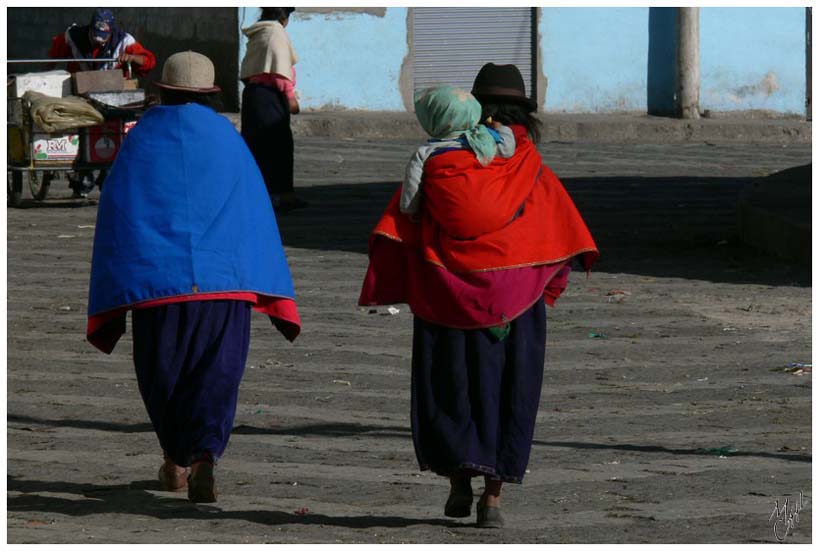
[585,128]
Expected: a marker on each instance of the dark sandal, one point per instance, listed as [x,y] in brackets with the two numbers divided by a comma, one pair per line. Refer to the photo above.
[489,517]
[201,484]
[460,502]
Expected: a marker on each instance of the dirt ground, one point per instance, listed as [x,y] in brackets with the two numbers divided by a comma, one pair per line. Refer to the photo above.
[678,346]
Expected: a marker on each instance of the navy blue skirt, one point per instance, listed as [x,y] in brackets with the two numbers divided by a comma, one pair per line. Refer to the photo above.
[189,358]
[474,399]
[266,130]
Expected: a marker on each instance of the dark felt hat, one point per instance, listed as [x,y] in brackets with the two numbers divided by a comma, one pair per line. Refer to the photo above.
[501,84]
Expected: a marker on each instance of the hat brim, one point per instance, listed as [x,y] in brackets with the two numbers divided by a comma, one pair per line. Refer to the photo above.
[523,101]
[188,88]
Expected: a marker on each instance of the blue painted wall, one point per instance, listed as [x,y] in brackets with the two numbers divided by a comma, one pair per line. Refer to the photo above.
[753,58]
[594,58]
[346,60]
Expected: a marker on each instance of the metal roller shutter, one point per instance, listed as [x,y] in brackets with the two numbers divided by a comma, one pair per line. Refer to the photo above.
[451,44]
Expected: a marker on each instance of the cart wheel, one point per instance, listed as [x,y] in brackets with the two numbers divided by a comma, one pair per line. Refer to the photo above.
[39,184]
[14,188]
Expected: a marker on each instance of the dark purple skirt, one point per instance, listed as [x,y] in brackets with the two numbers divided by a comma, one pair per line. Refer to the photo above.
[189,358]
[474,399]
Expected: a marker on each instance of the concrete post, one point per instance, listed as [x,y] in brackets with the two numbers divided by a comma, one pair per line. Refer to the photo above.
[689,63]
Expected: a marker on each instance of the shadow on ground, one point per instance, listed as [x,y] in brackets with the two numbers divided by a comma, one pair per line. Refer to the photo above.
[667,450]
[135,498]
[62,203]
[681,227]
[684,227]
[343,429]
[339,429]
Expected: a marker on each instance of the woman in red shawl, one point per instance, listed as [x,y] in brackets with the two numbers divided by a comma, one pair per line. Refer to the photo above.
[492,245]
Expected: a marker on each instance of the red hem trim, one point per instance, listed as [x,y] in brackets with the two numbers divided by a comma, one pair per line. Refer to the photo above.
[105,329]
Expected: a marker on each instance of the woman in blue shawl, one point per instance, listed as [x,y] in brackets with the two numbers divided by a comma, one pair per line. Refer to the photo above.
[187,239]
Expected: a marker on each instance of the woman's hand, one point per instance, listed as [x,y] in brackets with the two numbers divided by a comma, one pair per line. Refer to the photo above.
[293,104]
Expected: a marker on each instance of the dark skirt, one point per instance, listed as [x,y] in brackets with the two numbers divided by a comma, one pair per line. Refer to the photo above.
[266,130]
[189,358]
[474,399]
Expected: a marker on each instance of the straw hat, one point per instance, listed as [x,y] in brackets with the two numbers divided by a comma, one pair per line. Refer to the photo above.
[188,71]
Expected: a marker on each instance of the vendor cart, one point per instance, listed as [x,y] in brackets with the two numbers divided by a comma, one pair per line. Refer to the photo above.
[38,157]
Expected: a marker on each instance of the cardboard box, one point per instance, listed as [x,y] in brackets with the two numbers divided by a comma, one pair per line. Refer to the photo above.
[98,81]
[51,83]
[54,147]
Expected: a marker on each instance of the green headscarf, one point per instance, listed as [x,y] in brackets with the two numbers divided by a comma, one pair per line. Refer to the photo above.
[446,112]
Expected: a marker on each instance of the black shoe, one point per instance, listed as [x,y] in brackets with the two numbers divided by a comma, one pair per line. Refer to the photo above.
[459,503]
[489,517]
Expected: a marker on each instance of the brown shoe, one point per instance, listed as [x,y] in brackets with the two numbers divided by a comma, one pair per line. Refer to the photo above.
[172,478]
[201,483]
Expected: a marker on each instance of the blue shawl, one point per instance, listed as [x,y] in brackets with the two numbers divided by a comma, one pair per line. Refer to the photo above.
[184,211]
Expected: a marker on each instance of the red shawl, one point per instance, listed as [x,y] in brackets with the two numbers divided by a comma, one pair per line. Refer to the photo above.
[476,220]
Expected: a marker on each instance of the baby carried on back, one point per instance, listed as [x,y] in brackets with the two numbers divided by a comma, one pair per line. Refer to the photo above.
[451,117]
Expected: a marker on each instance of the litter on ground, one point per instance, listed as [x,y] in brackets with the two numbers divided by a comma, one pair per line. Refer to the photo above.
[719,451]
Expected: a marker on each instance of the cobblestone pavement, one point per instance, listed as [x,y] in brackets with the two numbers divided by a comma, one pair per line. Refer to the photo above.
[630,431]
